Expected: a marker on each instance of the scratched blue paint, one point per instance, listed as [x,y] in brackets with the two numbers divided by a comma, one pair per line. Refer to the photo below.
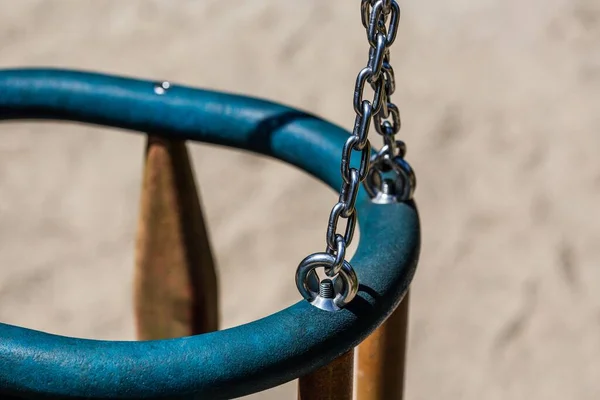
[232,362]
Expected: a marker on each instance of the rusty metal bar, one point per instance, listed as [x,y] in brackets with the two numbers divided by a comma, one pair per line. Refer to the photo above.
[175,278]
[381,358]
[332,382]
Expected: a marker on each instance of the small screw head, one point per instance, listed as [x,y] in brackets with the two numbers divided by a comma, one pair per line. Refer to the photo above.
[162,87]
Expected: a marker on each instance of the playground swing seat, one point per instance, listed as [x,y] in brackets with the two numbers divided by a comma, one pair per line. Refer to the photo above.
[357,303]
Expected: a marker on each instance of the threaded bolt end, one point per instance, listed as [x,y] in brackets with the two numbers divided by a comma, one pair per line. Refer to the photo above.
[326,289]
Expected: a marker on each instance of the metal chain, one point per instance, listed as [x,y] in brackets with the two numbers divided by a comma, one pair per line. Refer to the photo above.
[380,19]
[387,121]
[381,33]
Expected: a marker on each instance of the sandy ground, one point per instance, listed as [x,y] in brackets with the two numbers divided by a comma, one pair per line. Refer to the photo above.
[500,112]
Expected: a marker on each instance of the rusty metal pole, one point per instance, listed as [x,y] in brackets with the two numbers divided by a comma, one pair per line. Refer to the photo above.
[331,382]
[382,357]
[175,278]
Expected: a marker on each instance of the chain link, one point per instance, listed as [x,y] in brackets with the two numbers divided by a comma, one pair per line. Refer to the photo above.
[380,19]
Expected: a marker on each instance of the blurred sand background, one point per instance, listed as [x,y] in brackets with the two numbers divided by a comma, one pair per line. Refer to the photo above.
[500,112]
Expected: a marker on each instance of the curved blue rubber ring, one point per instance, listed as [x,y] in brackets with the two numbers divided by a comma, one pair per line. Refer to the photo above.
[233,362]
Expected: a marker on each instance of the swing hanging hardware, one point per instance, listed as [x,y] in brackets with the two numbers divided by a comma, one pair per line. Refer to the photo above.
[400,187]
[330,294]
[380,19]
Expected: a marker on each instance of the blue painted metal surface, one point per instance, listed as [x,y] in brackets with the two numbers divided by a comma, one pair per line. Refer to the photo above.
[232,362]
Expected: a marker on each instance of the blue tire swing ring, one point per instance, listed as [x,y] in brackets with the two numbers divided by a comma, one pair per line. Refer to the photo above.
[232,362]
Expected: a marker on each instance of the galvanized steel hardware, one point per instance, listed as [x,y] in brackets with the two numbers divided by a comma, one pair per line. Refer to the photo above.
[329,294]
[380,19]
